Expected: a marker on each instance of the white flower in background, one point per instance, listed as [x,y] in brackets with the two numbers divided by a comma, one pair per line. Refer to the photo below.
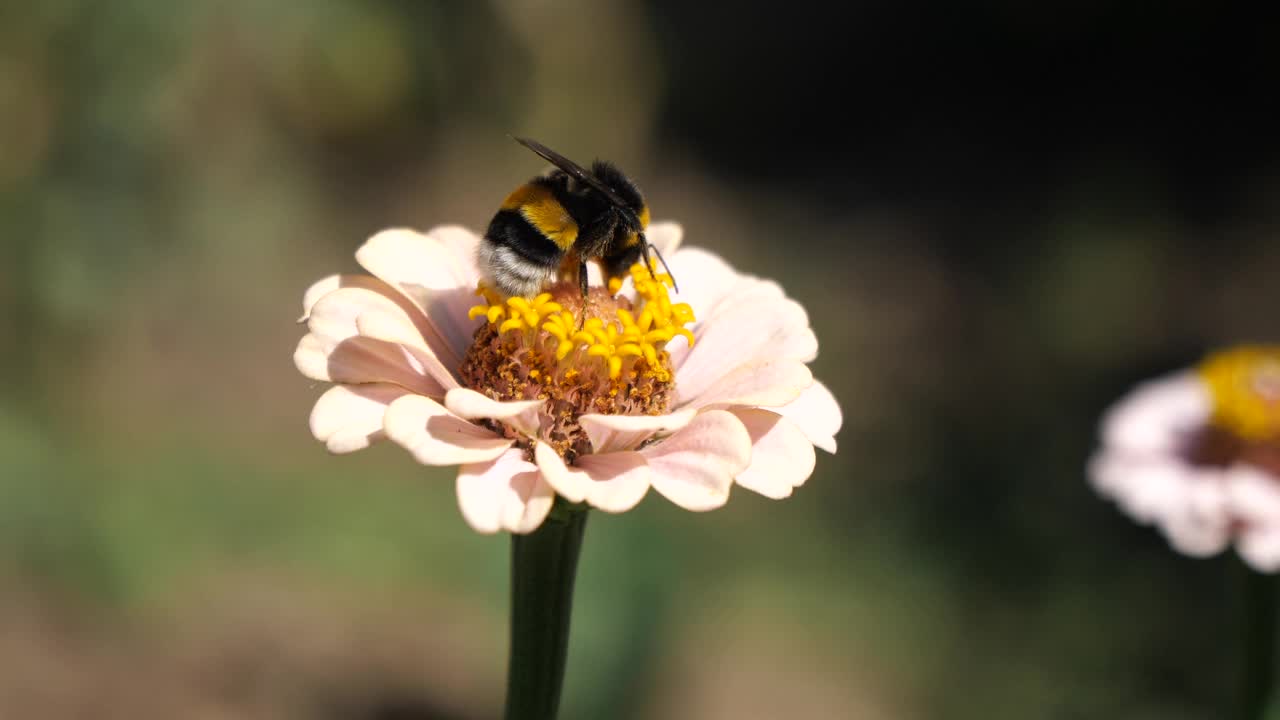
[1197,454]
[686,393]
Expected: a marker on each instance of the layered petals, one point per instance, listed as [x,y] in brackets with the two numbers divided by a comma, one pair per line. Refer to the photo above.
[522,415]
[435,436]
[614,482]
[347,418]
[767,383]
[782,458]
[1152,463]
[436,272]
[743,403]
[505,493]
[817,414]
[695,467]
[613,433]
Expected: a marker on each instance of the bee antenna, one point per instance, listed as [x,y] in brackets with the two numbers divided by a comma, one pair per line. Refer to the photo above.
[650,246]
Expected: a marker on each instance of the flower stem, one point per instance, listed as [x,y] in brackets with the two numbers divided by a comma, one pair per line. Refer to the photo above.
[543,565]
[1258,645]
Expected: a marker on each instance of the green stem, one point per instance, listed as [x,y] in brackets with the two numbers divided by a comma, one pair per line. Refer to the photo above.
[1258,644]
[543,565]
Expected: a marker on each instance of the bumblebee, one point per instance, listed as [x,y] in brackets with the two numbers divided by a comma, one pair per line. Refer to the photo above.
[551,226]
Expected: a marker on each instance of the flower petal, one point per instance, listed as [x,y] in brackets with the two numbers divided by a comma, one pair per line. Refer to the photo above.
[347,418]
[1254,495]
[505,493]
[665,236]
[437,437]
[1254,498]
[519,414]
[1148,490]
[359,360]
[613,482]
[574,485]
[1155,417]
[323,287]
[619,480]
[817,414]
[611,433]
[1202,527]
[715,279]
[782,457]
[1259,547]
[746,333]
[695,467]
[333,317]
[436,272]
[362,335]
[769,383]
[396,328]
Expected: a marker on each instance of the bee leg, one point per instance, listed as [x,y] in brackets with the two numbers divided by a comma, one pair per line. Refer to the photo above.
[582,285]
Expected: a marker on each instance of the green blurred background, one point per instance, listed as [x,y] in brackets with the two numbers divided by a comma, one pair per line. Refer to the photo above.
[999,215]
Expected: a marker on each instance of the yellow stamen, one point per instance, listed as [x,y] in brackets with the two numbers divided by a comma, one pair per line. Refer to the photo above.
[1245,383]
[635,336]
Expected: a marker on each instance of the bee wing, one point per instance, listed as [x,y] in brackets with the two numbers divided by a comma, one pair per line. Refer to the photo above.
[570,167]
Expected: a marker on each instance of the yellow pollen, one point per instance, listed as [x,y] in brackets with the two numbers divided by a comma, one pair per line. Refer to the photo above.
[612,346]
[1245,383]
[603,353]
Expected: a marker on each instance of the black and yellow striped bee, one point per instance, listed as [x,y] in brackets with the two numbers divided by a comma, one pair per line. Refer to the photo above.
[551,226]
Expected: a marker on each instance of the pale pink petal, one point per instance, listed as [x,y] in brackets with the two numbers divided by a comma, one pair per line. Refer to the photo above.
[362,335]
[666,237]
[442,258]
[572,484]
[462,244]
[695,467]
[333,317]
[715,278]
[1156,416]
[619,480]
[436,272]
[611,433]
[1203,526]
[1254,495]
[817,414]
[1196,536]
[437,437]
[347,418]
[614,482]
[769,383]
[505,493]
[1148,490]
[1259,547]
[747,333]
[782,458]
[327,285]
[522,415]
[396,328]
[359,360]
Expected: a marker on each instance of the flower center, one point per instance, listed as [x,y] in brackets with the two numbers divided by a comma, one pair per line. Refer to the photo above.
[612,362]
[1245,427]
[1245,383]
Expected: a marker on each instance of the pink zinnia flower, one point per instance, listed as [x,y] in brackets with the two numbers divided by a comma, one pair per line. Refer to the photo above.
[1197,454]
[687,393]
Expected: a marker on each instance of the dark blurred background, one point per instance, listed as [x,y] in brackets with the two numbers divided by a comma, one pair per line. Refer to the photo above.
[1000,215]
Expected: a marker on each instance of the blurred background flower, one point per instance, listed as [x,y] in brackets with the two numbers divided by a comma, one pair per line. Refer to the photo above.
[1013,213]
[1197,454]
